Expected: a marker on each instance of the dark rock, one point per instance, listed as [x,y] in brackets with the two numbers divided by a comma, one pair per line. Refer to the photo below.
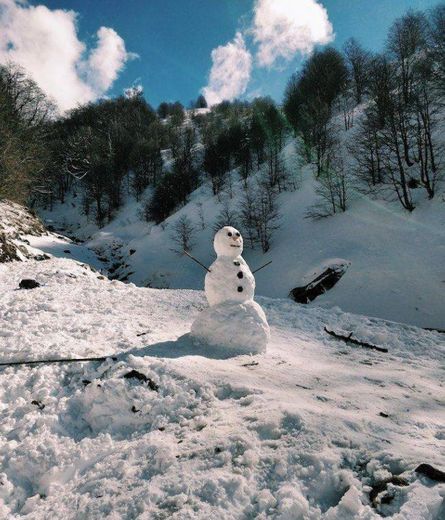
[132,251]
[431,472]
[39,404]
[41,258]
[67,251]
[125,278]
[134,409]
[381,486]
[28,283]
[114,268]
[322,283]
[134,374]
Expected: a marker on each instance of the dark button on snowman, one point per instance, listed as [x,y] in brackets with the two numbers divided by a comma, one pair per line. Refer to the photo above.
[233,319]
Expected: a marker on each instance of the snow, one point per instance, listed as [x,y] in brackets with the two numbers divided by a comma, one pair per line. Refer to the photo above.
[294,432]
[62,247]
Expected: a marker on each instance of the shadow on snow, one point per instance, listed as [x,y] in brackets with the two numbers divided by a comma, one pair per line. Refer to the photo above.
[185,346]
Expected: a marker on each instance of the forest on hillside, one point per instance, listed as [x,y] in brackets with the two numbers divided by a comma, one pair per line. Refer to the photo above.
[391,103]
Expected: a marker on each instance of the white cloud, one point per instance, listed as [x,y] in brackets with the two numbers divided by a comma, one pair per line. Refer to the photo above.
[107,59]
[45,43]
[280,30]
[230,72]
[283,28]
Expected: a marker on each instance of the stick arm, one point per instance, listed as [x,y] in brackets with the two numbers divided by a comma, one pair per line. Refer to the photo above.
[197,261]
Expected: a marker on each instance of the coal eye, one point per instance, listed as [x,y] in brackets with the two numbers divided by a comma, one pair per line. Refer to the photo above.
[229,234]
[238,235]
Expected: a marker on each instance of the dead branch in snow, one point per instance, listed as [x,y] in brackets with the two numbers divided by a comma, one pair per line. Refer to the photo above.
[349,339]
[52,361]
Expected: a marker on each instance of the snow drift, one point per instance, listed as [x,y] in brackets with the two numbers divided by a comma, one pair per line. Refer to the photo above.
[307,430]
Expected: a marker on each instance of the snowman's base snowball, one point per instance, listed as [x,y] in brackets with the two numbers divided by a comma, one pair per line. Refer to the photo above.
[240,327]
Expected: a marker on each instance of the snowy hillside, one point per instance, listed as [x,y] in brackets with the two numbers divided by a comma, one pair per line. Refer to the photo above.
[314,428]
[397,258]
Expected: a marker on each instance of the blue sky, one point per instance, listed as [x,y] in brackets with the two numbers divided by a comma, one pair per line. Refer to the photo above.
[174,38]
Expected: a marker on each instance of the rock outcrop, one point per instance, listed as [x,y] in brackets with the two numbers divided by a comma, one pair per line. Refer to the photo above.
[15,223]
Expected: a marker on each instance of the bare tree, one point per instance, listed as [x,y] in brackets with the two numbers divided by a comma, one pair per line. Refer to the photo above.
[183,234]
[259,215]
[146,165]
[226,217]
[357,61]
[247,212]
[201,215]
[436,44]
[393,117]
[24,116]
[311,97]
[267,217]
[407,38]
[346,103]
[332,185]
[427,128]
[366,149]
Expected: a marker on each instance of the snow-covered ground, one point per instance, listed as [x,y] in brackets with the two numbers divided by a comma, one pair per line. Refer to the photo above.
[304,431]
[397,258]
[62,247]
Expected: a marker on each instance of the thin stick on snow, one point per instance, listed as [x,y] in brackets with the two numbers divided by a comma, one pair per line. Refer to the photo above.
[197,261]
[349,339]
[262,267]
[51,361]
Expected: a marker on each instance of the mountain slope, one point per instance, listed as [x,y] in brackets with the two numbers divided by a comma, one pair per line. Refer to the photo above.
[397,269]
[303,431]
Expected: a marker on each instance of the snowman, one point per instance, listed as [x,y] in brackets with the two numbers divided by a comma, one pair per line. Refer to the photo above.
[233,319]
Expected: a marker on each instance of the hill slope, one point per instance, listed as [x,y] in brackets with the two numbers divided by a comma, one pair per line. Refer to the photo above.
[306,430]
[397,268]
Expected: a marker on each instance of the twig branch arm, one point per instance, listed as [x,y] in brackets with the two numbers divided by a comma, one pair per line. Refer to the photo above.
[197,261]
[262,267]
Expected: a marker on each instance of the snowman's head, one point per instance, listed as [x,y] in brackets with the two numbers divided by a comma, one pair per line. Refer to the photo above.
[228,242]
